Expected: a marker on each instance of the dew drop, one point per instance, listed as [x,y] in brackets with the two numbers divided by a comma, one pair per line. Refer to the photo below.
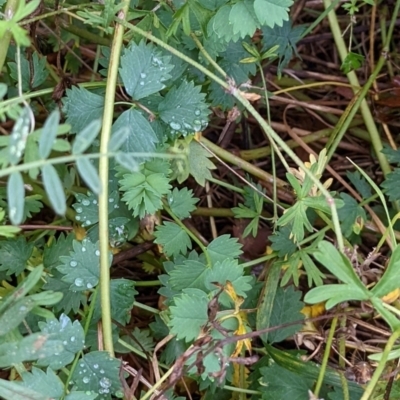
[89,285]
[94,202]
[79,210]
[141,83]
[72,338]
[95,366]
[111,200]
[65,342]
[143,75]
[197,112]
[175,126]
[105,382]
[78,282]
[78,218]
[102,371]
[97,252]
[73,263]
[88,222]
[86,379]
[83,249]
[85,202]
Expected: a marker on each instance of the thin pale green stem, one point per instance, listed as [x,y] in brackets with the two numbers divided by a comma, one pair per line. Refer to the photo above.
[108,116]
[324,364]
[9,12]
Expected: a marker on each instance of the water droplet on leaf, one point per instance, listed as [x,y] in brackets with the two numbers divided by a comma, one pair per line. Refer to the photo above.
[78,282]
[175,126]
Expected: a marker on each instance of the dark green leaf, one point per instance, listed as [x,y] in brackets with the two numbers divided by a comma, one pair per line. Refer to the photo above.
[99,373]
[184,110]
[189,314]
[351,62]
[224,247]
[14,255]
[122,297]
[350,214]
[272,12]
[144,70]
[199,163]
[49,134]
[282,242]
[360,183]
[173,239]
[286,309]
[219,27]
[47,383]
[141,137]
[89,174]
[57,248]
[391,185]
[81,267]
[182,202]
[82,107]
[54,189]
[16,197]
[70,334]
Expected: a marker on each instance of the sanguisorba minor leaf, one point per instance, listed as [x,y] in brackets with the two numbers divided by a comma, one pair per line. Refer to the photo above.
[89,174]
[16,197]
[173,239]
[184,109]
[86,137]
[390,280]
[144,69]
[54,189]
[49,134]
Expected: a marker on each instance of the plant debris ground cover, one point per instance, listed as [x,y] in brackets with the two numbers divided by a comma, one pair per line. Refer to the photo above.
[199,199]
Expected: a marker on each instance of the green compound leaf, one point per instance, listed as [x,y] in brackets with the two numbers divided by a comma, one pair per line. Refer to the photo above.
[14,255]
[184,110]
[189,314]
[57,248]
[199,163]
[286,309]
[48,135]
[82,107]
[141,137]
[224,247]
[144,70]
[16,197]
[243,18]
[272,12]
[81,267]
[182,202]
[282,242]
[54,189]
[144,189]
[86,137]
[46,383]
[122,297]
[97,372]
[70,334]
[173,239]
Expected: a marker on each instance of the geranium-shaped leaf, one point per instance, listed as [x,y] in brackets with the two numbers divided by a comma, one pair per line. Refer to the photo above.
[122,296]
[144,69]
[14,254]
[141,137]
[272,12]
[189,274]
[189,314]
[57,248]
[70,334]
[182,202]
[173,239]
[184,109]
[81,267]
[82,107]
[224,247]
[16,197]
[99,373]
[220,26]
[48,384]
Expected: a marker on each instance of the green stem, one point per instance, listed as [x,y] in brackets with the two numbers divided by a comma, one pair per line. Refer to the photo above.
[378,372]
[324,364]
[9,12]
[361,102]
[108,116]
